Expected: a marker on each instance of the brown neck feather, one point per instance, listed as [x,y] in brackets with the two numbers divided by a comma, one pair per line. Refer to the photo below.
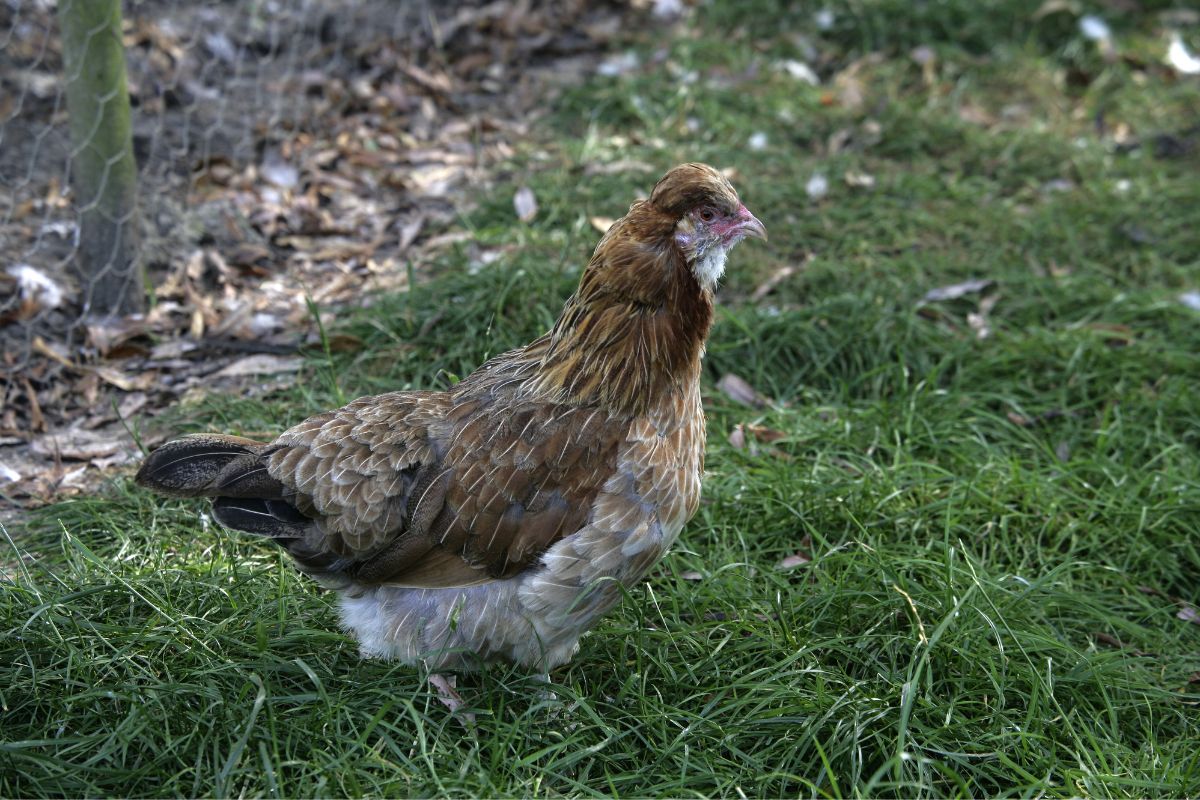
[633,333]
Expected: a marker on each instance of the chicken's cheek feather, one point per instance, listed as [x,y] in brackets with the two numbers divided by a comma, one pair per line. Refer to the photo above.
[705,253]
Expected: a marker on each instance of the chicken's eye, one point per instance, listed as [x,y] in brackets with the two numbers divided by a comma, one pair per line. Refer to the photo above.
[707,215]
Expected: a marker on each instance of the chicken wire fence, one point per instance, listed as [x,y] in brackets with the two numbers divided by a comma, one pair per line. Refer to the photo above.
[205,81]
[216,89]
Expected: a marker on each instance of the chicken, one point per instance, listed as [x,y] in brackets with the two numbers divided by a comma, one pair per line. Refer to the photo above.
[501,518]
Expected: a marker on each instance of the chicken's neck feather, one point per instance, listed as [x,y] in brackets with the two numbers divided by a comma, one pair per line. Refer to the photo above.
[633,334]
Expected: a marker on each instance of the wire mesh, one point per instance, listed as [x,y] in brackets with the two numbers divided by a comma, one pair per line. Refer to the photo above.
[212,84]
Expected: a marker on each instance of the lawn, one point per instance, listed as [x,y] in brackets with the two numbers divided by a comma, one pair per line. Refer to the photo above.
[955,554]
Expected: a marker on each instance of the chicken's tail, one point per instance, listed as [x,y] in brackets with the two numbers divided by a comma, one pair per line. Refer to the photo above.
[232,470]
[208,465]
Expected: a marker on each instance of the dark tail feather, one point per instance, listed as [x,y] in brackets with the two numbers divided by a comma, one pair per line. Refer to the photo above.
[281,522]
[231,470]
[278,519]
[208,465]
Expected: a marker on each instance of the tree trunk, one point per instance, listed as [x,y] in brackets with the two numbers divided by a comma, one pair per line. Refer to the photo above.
[103,167]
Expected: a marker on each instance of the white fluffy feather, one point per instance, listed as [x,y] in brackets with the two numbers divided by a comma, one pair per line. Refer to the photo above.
[711,266]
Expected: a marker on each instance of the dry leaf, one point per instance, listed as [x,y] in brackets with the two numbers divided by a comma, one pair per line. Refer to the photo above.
[601,224]
[37,421]
[764,434]
[123,381]
[976,115]
[838,141]
[525,204]
[794,560]
[737,437]
[735,388]
[957,290]
[440,82]
[978,320]
[748,435]
[1188,613]
[131,404]
[78,444]
[618,167]
[277,171]
[800,71]
[410,230]
[1056,7]
[859,180]
[196,328]
[448,694]
[74,478]
[435,180]
[850,93]
[849,86]
[979,324]
[53,351]
[692,575]
[108,334]
[260,364]
[619,64]
[116,459]
[171,350]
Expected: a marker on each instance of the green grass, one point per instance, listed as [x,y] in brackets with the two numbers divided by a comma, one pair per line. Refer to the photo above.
[997,527]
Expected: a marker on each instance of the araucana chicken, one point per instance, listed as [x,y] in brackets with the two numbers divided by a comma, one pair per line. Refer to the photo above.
[501,518]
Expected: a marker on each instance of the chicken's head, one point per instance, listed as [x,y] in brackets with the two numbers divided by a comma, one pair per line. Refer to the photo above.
[711,218]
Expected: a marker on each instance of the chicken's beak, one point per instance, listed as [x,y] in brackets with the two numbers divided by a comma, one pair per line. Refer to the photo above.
[749,225]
